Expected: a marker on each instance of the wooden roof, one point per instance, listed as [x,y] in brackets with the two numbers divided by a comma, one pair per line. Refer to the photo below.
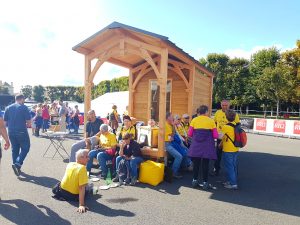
[115,30]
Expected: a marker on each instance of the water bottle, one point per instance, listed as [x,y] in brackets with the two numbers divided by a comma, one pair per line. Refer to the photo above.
[108,177]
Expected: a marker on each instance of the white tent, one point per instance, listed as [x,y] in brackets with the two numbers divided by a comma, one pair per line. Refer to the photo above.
[103,104]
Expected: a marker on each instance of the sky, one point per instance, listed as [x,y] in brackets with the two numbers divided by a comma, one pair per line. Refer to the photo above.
[36,37]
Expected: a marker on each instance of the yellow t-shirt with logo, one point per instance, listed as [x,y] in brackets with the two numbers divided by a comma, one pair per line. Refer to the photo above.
[75,176]
[168,132]
[228,146]
[221,120]
[203,122]
[108,140]
[130,130]
[186,127]
[181,131]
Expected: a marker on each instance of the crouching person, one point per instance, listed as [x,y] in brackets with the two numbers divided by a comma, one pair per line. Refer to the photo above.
[130,153]
[74,183]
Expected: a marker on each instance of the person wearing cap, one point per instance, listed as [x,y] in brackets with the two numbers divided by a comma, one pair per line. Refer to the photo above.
[221,120]
[180,129]
[18,117]
[185,121]
[104,151]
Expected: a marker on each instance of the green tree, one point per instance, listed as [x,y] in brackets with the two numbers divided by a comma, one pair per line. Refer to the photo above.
[273,85]
[217,63]
[291,59]
[265,58]
[38,93]
[27,91]
[52,93]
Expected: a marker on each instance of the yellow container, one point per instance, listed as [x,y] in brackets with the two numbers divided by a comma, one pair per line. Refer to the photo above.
[151,172]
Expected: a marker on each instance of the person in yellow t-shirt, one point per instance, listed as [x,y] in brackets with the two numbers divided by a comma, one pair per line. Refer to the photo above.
[127,128]
[73,185]
[178,158]
[105,151]
[221,120]
[230,152]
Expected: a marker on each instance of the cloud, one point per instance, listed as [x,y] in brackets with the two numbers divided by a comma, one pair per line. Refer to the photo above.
[242,53]
[37,38]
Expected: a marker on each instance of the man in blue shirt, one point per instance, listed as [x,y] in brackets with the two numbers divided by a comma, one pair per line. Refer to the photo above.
[18,118]
[91,135]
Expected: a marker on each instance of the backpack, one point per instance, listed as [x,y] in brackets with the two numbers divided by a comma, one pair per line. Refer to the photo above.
[112,116]
[123,169]
[240,136]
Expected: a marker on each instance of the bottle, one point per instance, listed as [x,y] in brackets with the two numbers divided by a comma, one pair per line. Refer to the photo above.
[108,180]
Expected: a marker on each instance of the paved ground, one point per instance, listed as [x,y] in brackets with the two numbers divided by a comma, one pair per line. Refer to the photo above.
[269,192]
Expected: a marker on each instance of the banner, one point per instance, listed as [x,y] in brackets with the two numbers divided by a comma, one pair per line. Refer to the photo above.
[261,124]
[279,126]
[290,128]
[247,122]
[296,127]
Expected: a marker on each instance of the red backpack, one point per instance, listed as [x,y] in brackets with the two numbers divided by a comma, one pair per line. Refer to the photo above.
[240,136]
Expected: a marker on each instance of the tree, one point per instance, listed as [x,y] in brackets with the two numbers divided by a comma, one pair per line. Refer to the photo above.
[291,59]
[52,93]
[27,91]
[4,90]
[265,58]
[273,85]
[38,93]
[217,63]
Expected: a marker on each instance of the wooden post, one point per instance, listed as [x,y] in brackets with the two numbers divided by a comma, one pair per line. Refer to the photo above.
[162,81]
[130,106]
[87,88]
[211,95]
[191,91]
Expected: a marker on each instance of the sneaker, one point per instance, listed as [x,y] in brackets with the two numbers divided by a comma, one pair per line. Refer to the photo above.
[177,176]
[133,181]
[226,183]
[206,186]
[115,179]
[195,183]
[230,186]
[127,181]
[17,169]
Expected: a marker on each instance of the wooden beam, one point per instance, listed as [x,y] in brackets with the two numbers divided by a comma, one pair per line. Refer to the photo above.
[139,76]
[180,73]
[122,47]
[191,90]
[139,67]
[131,93]
[119,63]
[149,59]
[87,88]
[162,81]
[143,45]
[103,47]
[211,94]
[180,64]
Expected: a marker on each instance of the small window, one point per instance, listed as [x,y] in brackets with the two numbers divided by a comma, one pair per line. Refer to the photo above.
[154,101]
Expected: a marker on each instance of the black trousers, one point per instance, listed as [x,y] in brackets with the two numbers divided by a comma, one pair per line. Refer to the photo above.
[60,193]
[204,163]
[217,165]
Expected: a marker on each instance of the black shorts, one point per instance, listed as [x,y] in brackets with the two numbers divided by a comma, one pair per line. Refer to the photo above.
[0,151]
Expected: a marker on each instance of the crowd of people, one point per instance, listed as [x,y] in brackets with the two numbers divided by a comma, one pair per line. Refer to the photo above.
[190,144]
[44,115]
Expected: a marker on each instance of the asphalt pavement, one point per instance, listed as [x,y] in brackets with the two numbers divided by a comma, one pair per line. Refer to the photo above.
[269,184]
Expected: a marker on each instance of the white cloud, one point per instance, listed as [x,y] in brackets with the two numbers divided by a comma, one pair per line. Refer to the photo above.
[37,38]
[242,53]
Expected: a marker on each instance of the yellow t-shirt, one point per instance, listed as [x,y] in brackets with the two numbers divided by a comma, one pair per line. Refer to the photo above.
[221,120]
[75,176]
[181,131]
[228,146]
[186,126]
[130,130]
[168,132]
[203,122]
[108,140]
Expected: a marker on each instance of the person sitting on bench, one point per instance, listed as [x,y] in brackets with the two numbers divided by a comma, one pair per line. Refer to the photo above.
[92,133]
[104,151]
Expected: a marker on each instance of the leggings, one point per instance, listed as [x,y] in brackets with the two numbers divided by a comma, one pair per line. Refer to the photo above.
[196,168]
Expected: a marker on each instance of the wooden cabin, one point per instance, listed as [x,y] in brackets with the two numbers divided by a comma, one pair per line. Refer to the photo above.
[162,77]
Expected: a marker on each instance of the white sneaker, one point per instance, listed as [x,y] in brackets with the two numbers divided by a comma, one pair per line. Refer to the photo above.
[230,186]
